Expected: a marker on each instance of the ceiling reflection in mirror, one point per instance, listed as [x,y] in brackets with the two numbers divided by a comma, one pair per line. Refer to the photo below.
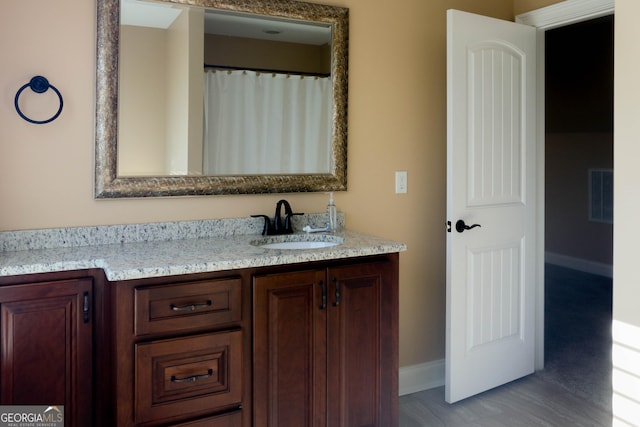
[246,97]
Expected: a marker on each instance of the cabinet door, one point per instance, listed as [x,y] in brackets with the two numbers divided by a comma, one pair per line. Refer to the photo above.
[362,346]
[290,349]
[46,347]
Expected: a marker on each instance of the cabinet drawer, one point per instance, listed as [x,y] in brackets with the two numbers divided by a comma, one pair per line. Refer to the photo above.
[186,376]
[184,306]
[233,419]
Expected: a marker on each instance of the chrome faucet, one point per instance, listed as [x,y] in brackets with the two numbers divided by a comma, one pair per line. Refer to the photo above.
[278,226]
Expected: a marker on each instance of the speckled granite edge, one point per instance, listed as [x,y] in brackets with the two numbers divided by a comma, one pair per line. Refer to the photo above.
[138,251]
[137,260]
[22,240]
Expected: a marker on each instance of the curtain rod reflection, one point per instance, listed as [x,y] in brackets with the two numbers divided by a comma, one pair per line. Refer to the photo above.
[266,70]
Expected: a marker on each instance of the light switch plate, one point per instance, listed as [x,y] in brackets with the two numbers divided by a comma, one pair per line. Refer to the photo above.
[401,182]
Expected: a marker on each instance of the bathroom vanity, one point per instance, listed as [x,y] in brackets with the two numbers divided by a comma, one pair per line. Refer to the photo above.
[213,331]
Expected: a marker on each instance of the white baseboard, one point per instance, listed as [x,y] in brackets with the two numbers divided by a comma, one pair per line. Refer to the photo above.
[586,266]
[421,377]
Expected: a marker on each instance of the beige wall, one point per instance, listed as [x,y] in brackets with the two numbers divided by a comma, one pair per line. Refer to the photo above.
[196,89]
[568,230]
[141,142]
[397,121]
[160,106]
[178,69]
[265,54]
[522,6]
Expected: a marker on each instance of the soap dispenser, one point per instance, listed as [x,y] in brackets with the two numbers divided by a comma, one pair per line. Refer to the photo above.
[332,215]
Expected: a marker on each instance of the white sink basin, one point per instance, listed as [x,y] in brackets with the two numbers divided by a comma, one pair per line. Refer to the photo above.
[298,245]
[298,241]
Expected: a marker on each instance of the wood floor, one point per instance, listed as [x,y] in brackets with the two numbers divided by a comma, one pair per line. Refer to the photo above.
[573,390]
[530,401]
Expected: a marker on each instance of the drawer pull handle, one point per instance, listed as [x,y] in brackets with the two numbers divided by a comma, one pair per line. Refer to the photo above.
[323,304]
[190,307]
[85,307]
[191,378]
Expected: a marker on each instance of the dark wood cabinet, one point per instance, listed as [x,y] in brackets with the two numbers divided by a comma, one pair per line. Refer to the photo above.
[325,346]
[46,346]
[290,349]
[179,354]
[306,345]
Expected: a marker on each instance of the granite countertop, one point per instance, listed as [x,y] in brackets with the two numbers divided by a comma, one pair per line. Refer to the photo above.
[160,252]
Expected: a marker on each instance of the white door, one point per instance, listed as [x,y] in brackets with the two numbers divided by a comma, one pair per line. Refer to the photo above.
[491,182]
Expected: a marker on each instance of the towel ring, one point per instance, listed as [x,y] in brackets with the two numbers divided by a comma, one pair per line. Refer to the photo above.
[38,84]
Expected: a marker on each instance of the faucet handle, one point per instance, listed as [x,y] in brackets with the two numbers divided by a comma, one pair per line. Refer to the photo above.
[266,231]
[288,226]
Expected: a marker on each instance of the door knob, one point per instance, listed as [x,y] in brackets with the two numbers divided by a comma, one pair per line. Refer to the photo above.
[461,226]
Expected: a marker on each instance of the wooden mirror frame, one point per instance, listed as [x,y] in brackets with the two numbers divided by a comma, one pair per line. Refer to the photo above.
[109,185]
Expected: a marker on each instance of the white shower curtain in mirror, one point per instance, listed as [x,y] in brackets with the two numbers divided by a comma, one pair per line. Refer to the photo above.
[263,123]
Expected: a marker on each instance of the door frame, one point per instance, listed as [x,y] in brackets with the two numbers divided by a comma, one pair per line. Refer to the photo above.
[554,16]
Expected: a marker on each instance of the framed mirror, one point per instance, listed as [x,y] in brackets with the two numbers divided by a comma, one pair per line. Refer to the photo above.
[170,123]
